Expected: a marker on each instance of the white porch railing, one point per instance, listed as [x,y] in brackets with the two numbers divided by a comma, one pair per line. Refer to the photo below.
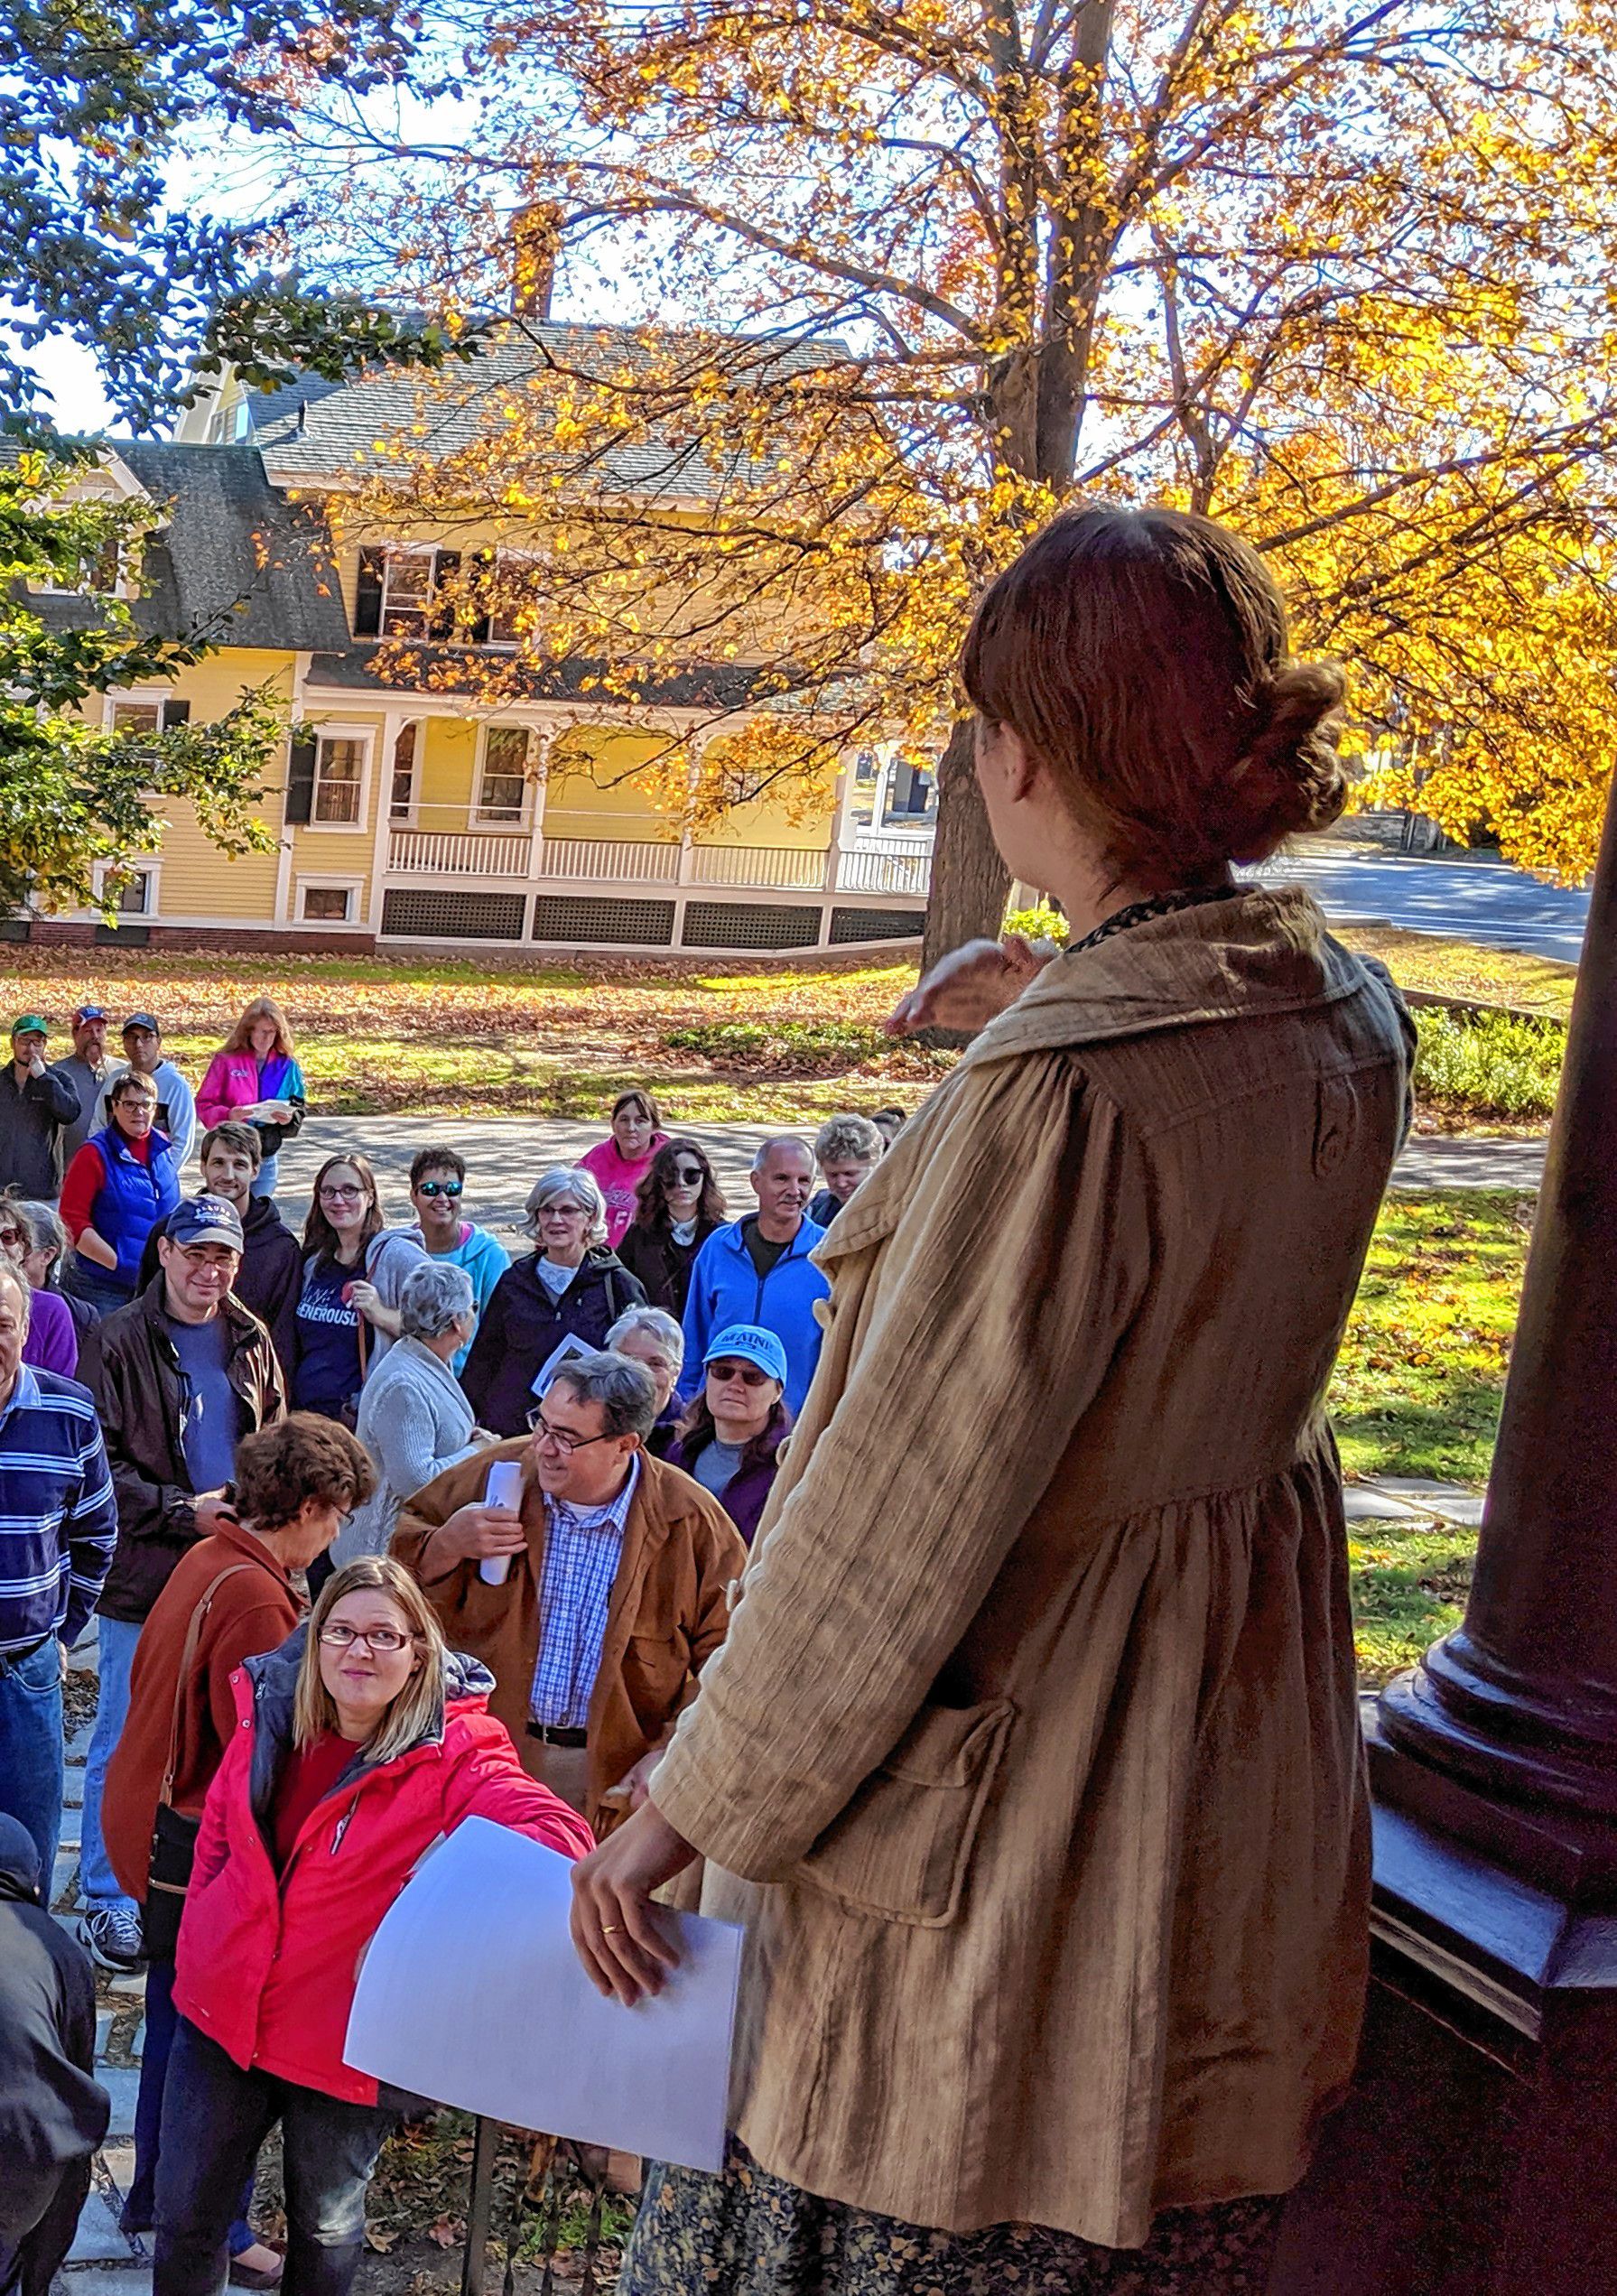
[878,862]
[788,868]
[609,861]
[432,852]
[869,871]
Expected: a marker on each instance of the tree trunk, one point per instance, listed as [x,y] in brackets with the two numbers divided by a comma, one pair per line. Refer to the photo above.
[969,880]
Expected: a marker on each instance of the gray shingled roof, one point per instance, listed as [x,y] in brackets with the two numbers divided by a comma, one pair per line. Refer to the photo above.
[314,428]
[234,559]
[700,686]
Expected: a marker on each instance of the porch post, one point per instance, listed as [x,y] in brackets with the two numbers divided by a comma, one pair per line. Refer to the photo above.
[1477,2152]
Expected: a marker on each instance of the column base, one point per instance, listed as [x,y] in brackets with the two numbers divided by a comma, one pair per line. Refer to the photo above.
[1477,2152]
[1510,1798]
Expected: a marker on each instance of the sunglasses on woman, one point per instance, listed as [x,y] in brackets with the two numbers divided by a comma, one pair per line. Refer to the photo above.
[441,1188]
[686,1176]
[749,1373]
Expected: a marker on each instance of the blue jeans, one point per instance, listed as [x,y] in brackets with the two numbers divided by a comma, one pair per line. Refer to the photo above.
[116,1639]
[264,1179]
[214,2117]
[30,1754]
[162,2021]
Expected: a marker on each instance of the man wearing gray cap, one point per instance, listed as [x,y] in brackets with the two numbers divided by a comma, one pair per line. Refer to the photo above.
[178,1376]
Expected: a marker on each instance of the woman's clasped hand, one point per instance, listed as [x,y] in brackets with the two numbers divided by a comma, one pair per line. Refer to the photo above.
[622,1939]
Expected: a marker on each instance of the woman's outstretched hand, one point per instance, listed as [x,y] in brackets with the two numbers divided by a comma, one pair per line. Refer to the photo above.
[968,988]
[616,1928]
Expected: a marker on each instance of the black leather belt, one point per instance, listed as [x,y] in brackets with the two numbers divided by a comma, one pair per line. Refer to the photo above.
[549,1735]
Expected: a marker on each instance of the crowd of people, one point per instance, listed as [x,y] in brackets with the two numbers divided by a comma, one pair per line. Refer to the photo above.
[261,1459]
[1024,1743]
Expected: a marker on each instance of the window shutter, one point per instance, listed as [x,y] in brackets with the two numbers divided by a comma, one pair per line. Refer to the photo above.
[441,624]
[175,713]
[299,782]
[367,593]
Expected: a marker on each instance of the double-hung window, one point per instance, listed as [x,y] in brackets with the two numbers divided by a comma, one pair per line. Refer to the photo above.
[338,772]
[502,786]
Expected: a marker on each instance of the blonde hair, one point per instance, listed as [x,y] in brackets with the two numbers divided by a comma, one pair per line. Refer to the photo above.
[239,1040]
[417,1712]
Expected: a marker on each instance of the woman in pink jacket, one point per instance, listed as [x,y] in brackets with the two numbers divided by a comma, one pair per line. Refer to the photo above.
[255,1076]
[619,1163]
[359,1742]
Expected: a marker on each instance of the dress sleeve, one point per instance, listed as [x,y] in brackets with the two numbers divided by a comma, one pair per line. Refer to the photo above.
[1009,1281]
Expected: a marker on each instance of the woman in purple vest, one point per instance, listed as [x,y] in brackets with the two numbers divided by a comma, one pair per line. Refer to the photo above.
[121,1180]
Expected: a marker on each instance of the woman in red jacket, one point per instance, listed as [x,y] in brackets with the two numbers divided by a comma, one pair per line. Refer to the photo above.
[360,1742]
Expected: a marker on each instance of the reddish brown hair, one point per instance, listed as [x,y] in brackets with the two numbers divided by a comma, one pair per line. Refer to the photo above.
[1142,657]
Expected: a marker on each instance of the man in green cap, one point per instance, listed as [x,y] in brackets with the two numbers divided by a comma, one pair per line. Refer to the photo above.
[35,1102]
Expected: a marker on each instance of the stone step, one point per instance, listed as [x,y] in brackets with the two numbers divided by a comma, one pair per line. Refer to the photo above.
[103,2033]
[78,1740]
[137,2047]
[133,2279]
[98,2240]
[64,1878]
[1366,1503]
[129,1981]
[121,2083]
[1452,1501]
[72,1792]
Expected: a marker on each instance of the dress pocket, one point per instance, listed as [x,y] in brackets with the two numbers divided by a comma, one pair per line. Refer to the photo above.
[901,1848]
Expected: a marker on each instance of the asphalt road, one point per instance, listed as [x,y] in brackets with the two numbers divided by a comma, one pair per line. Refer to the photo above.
[1476,900]
[505,1156]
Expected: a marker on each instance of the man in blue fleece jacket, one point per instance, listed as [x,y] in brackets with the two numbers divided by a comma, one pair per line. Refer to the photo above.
[758,1270]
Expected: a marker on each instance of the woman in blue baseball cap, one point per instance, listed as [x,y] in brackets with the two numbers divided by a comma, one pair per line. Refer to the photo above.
[731,1436]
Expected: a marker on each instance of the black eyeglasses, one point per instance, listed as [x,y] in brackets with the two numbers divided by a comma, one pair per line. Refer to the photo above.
[440,1188]
[686,1176]
[563,1441]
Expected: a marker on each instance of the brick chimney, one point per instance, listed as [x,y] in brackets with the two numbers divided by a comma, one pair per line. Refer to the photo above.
[535,244]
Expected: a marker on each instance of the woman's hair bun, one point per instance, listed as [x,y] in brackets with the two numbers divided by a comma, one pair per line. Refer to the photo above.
[1291,777]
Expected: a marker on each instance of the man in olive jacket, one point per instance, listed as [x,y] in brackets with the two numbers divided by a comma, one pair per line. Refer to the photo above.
[179,1377]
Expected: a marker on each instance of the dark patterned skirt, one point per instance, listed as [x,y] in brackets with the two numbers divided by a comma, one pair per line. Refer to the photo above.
[745,2233]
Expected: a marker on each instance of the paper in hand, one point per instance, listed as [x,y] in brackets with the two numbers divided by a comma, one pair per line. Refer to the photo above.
[568,1345]
[471,1993]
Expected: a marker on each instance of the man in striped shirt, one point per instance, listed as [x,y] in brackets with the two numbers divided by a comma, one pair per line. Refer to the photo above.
[58,1523]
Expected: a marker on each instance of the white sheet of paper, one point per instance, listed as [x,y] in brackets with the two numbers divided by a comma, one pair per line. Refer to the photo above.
[568,1345]
[471,1994]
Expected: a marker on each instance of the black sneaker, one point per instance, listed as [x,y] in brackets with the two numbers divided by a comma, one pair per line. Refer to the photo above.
[113,1934]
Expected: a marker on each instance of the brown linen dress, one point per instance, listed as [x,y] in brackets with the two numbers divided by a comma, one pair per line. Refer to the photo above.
[1032,1762]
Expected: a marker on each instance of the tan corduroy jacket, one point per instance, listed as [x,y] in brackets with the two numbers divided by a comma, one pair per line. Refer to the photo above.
[670,1605]
[1036,1723]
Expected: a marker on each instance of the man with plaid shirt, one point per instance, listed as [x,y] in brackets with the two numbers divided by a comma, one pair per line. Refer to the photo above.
[614,1577]
[58,1523]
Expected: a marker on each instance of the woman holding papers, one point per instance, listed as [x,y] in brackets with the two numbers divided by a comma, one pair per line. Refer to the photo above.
[358,1743]
[1031,1760]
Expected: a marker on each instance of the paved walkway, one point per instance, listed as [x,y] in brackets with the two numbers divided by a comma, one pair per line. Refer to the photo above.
[1477,899]
[103,2261]
[506,1154]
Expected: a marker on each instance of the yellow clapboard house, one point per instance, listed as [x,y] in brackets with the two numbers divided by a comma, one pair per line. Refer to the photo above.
[412,815]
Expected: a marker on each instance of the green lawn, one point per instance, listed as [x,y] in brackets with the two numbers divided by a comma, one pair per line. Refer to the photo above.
[1417,1392]
[1422,1369]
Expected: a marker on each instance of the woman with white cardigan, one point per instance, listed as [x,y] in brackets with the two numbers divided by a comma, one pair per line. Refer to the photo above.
[413,1419]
